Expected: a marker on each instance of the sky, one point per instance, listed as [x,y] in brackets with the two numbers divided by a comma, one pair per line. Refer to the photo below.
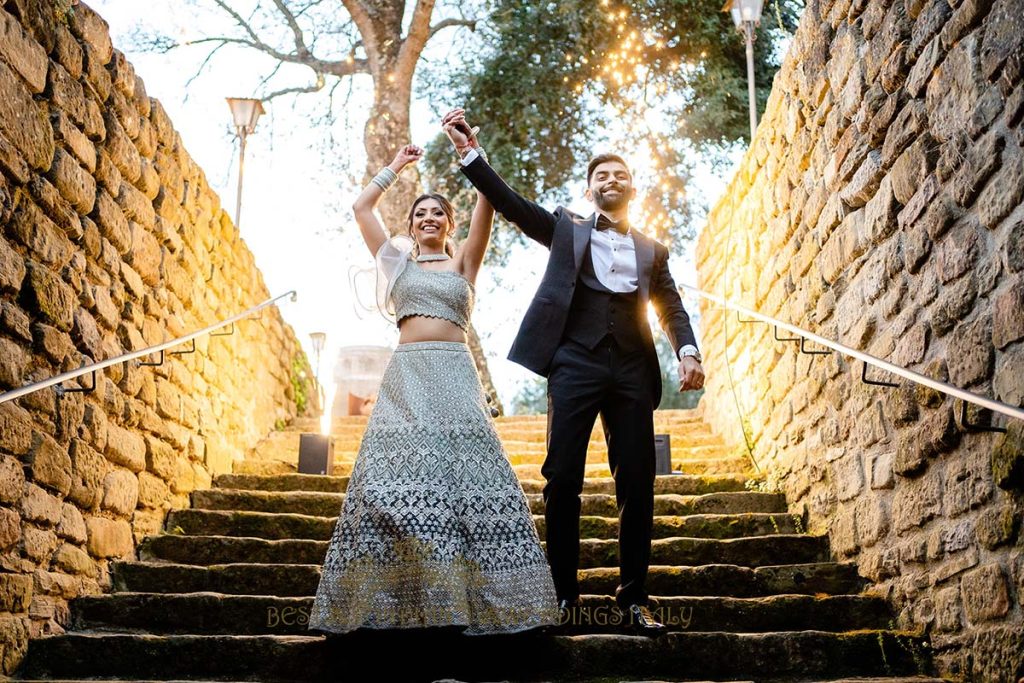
[295,216]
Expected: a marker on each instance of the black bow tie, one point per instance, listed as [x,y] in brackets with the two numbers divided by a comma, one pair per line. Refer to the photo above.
[604,223]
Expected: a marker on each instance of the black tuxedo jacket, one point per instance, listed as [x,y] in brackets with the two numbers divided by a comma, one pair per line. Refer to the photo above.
[566,235]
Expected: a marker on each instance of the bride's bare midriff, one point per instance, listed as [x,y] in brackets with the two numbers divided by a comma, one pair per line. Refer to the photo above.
[418,328]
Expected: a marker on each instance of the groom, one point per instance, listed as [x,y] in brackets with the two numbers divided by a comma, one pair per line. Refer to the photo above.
[587,331]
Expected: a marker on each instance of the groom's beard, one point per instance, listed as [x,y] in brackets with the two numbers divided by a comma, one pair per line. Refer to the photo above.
[611,204]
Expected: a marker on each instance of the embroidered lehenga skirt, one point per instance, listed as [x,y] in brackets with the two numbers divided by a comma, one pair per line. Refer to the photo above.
[435,529]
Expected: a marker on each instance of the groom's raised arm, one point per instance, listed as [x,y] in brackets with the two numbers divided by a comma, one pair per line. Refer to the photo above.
[535,221]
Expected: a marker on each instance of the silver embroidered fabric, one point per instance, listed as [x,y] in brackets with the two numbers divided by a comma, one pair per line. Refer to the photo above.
[435,529]
[434,293]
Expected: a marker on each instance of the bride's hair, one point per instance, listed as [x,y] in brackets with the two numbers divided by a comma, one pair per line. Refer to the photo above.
[449,212]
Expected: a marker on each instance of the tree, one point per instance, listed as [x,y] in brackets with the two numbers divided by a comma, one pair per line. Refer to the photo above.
[548,80]
[336,40]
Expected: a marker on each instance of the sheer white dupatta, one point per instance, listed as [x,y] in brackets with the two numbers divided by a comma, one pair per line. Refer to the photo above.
[391,258]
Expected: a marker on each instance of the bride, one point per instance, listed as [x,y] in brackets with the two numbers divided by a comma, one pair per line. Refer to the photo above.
[435,529]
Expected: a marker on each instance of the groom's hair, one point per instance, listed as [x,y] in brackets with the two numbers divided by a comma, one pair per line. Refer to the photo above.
[602,158]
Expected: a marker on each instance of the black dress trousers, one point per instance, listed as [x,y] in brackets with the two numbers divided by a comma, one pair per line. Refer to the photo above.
[583,383]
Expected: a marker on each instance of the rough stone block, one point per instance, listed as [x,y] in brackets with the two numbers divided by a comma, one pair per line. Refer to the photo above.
[910,170]
[985,593]
[1004,191]
[953,305]
[109,538]
[160,458]
[12,480]
[971,355]
[63,215]
[112,223]
[88,471]
[1008,315]
[915,501]
[23,122]
[954,90]
[49,463]
[14,361]
[75,184]
[40,506]
[49,297]
[74,560]
[998,526]
[10,529]
[72,524]
[1006,384]
[982,160]
[22,52]
[1002,36]
[120,492]
[121,150]
[15,592]
[126,448]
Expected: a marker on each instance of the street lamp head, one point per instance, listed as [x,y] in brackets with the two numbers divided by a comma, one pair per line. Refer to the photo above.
[318,339]
[744,11]
[246,112]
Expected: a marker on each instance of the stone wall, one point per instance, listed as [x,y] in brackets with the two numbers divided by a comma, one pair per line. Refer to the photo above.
[111,241]
[881,206]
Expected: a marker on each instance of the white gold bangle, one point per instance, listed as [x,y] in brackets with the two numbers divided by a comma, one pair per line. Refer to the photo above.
[385,179]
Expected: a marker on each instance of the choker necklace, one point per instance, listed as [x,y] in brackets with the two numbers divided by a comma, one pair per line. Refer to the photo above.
[432,257]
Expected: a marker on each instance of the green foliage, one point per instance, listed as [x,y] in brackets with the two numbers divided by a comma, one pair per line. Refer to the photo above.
[64,10]
[532,398]
[545,82]
[671,397]
[300,383]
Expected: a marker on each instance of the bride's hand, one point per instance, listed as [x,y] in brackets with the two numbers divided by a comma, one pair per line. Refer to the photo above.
[409,154]
[458,130]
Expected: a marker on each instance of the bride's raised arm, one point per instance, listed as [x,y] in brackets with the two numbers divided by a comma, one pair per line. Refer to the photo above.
[474,246]
[365,204]
[472,250]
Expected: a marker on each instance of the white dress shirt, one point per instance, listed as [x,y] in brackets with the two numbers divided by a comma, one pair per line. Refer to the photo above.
[614,257]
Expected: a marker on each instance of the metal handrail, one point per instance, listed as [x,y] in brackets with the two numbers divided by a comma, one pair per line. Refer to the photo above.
[93,367]
[990,404]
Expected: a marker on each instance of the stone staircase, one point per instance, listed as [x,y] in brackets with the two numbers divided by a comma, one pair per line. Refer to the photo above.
[225,592]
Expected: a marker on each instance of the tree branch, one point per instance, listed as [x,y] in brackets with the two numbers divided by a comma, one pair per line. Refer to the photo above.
[445,23]
[293,24]
[412,46]
[364,24]
[318,85]
[345,67]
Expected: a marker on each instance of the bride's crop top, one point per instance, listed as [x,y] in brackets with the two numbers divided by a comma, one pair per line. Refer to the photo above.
[405,288]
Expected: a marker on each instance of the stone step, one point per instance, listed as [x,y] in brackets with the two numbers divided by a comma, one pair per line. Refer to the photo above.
[729,466]
[662,419]
[525,455]
[724,466]
[297,580]
[514,441]
[200,613]
[752,551]
[705,458]
[682,484]
[320,504]
[273,525]
[602,679]
[428,656]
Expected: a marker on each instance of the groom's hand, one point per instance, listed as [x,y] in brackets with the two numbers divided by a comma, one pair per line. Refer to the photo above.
[691,374]
[458,131]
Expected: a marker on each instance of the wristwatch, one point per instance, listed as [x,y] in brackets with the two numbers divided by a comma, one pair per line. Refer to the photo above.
[690,350]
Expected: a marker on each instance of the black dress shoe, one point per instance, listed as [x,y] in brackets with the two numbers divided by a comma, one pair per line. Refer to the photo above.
[639,617]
